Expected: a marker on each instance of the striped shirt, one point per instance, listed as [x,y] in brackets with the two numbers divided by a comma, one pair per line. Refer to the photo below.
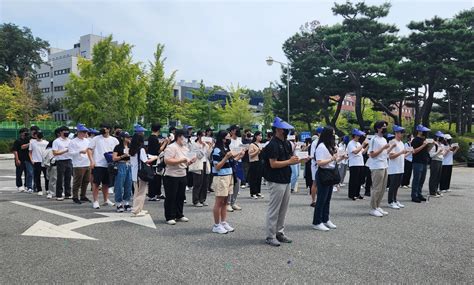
[217,156]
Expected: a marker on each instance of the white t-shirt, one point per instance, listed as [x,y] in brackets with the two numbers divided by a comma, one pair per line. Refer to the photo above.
[134,163]
[61,144]
[235,143]
[409,156]
[101,145]
[37,149]
[380,161]
[397,165]
[322,153]
[75,147]
[342,150]
[355,159]
[448,158]
[314,165]
[434,154]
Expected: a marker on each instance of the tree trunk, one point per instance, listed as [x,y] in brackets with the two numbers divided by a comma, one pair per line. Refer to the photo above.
[358,109]
[427,105]
[449,110]
[417,109]
[459,115]
[400,112]
[338,110]
[469,103]
[387,111]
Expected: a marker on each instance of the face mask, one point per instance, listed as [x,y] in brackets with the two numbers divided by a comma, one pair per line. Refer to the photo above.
[249,135]
[117,133]
[237,133]
[286,132]
[384,131]
[227,142]
[102,131]
[66,134]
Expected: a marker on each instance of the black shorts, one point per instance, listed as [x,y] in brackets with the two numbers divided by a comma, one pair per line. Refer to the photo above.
[101,175]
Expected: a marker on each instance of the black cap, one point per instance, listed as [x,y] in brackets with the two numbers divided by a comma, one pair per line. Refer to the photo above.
[233,127]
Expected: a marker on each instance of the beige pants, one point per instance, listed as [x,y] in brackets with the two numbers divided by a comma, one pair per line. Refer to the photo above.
[379,184]
[139,195]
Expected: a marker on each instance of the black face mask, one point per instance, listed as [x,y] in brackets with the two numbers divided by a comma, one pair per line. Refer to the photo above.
[249,135]
[66,134]
[117,133]
[384,131]
[425,134]
[102,131]
[227,142]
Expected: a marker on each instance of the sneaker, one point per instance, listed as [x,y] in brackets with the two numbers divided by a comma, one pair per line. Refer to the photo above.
[449,190]
[68,197]
[20,189]
[30,191]
[219,229]
[439,193]
[253,196]
[108,203]
[272,242]
[321,227]
[199,205]
[227,227]
[40,193]
[229,208]
[335,189]
[375,213]
[330,225]
[171,222]
[120,208]
[416,200]
[49,196]
[444,191]
[400,205]
[127,208]
[59,199]
[152,199]
[85,199]
[162,197]
[75,200]
[139,214]
[96,205]
[382,211]
[404,186]
[185,202]
[260,196]
[144,212]
[360,197]
[423,199]
[111,190]
[436,195]
[393,205]
[313,204]
[236,207]
[342,185]
[182,219]
[187,188]
[205,204]
[282,238]
[243,186]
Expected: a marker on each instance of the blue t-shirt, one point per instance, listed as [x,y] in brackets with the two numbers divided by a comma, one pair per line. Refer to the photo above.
[217,156]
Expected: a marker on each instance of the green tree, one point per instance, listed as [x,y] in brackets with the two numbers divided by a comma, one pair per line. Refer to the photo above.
[110,87]
[19,52]
[160,101]
[200,111]
[267,110]
[8,104]
[25,104]
[237,108]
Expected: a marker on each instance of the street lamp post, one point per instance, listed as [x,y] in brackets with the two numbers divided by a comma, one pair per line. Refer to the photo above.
[270,61]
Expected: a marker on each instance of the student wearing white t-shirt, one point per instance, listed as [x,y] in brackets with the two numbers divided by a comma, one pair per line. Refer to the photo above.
[396,167]
[37,148]
[355,151]
[378,164]
[99,145]
[80,164]
[447,169]
[63,164]
[408,169]
[314,166]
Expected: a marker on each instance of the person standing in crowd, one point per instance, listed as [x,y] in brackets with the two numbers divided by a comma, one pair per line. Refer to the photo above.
[421,159]
[99,145]
[23,162]
[189,176]
[123,179]
[210,134]
[235,142]
[80,164]
[342,165]
[436,153]
[278,159]
[155,148]
[314,166]
[247,140]
[308,177]
[447,169]
[378,164]
[49,161]
[367,175]
[223,182]
[177,159]
[63,164]
[37,147]
[256,166]
[396,167]
[356,164]
[295,168]
[326,158]
[407,163]
[200,170]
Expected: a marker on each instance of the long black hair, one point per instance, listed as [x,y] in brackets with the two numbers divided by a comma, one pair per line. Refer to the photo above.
[328,139]
[178,133]
[220,137]
[257,133]
[136,144]
[199,134]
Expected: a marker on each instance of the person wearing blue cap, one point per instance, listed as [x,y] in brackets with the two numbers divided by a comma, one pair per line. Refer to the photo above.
[342,166]
[421,159]
[447,169]
[138,129]
[396,167]
[80,164]
[355,151]
[408,168]
[278,157]
[314,165]
[437,153]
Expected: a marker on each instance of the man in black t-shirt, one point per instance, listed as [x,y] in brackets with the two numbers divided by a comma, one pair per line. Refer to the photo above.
[22,161]
[278,157]
[421,159]
[155,148]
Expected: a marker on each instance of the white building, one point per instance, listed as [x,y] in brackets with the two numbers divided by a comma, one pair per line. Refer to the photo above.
[54,74]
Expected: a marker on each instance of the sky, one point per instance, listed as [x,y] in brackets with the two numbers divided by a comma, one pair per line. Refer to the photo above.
[221,42]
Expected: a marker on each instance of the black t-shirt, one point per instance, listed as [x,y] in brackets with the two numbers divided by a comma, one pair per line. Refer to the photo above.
[279,150]
[119,149]
[422,156]
[153,145]
[23,154]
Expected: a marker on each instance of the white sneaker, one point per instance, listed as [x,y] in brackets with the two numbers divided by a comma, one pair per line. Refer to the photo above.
[49,196]
[183,219]
[321,227]
[219,229]
[330,225]
[406,187]
[449,190]
[59,199]
[400,205]
[20,189]
[334,189]
[394,205]
[111,190]
[229,208]
[144,212]
[96,205]
[40,193]
[254,197]
[236,207]
[444,191]
[199,205]
[30,191]
[342,184]
[171,222]
[243,186]
[227,227]
[382,211]
[139,214]
[108,203]
[375,213]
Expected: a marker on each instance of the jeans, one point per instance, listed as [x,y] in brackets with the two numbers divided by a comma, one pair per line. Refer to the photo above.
[419,175]
[295,173]
[323,202]
[37,170]
[64,175]
[123,183]
[27,168]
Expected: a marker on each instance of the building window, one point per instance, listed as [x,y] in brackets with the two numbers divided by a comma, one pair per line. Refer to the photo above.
[62,71]
[59,88]
[42,75]
[45,90]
